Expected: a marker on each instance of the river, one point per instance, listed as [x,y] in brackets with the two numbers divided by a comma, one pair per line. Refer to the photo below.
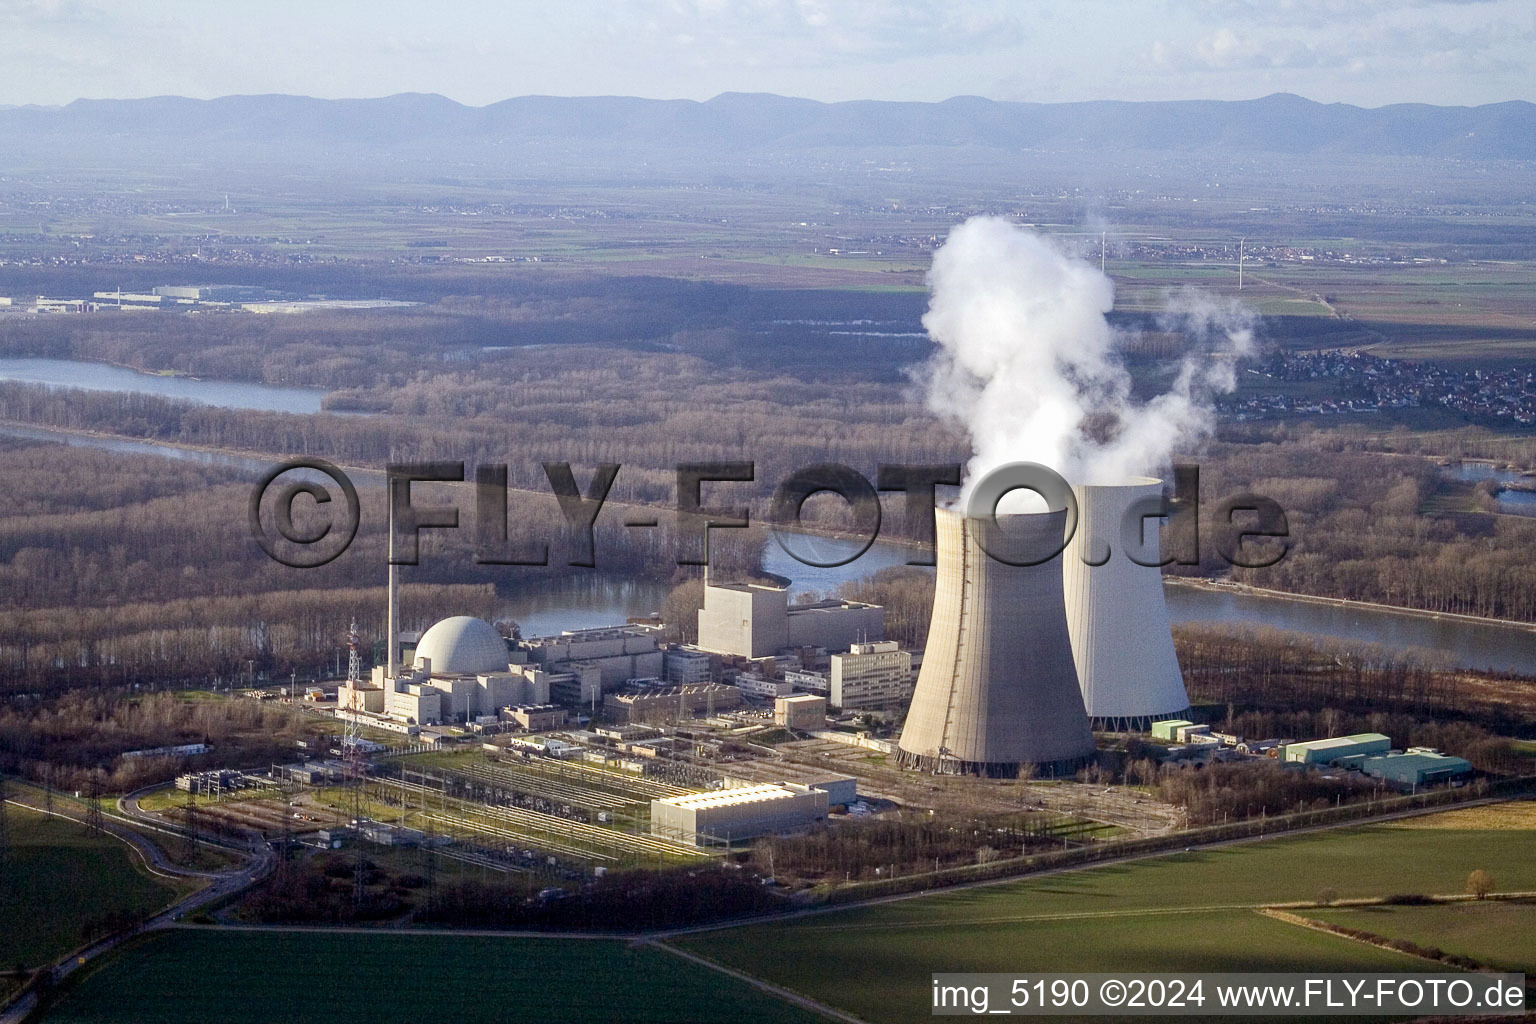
[73,373]
[596,599]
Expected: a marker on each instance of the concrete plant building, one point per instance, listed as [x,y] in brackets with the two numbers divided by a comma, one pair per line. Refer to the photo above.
[872,675]
[687,665]
[725,816]
[756,620]
[998,690]
[1122,641]
[802,712]
[620,653]
[536,717]
[671,703]
[461,670]
[754,685]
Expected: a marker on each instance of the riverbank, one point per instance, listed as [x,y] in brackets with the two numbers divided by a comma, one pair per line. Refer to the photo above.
[1225,586]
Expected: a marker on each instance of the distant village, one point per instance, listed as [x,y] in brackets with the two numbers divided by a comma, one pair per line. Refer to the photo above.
[1367,383]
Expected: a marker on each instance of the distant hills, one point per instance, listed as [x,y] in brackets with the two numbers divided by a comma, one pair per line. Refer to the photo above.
[736,127]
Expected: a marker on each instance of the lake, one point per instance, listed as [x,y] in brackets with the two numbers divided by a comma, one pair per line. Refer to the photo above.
[1519,503]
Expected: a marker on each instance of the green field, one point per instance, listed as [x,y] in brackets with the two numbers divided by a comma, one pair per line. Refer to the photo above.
[1182,912]
[298,977]
[1501,934]
[56,878]
[1187,911]
[888,978]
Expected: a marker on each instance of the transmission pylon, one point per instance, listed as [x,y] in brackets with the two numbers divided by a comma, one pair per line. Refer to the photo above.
[93,805]
[352,757]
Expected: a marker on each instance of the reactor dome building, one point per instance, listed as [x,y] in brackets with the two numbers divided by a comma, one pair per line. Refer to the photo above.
[462,646]
[1122,642]
[998,690]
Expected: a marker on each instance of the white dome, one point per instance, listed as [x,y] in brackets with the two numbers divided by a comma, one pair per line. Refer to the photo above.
[463,646]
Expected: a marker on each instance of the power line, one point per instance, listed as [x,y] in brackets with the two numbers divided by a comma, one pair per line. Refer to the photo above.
[93,804]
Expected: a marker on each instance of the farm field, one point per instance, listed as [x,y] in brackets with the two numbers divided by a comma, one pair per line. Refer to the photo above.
[888,979]
[1184,911]
[240,977]
[1498,933]
[57,878]
[1515,814]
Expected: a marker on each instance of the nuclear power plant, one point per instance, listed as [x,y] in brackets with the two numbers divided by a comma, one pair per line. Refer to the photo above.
[1121,637]
[1023,662]
[998,690]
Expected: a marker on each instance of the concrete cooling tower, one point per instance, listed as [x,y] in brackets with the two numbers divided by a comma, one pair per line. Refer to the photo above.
[1121,640]
[998,688]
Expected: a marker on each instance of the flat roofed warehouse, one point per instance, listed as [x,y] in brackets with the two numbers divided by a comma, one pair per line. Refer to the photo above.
[1330,750]
[725,816]
[1416,767]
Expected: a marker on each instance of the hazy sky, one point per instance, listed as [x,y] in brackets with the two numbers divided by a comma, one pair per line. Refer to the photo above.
[1368,52]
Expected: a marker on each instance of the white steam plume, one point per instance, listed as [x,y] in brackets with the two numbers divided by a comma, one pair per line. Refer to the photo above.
[1031,367]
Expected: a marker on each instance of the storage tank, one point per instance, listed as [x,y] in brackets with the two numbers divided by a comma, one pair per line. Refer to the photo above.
[1122,642]
[998,689]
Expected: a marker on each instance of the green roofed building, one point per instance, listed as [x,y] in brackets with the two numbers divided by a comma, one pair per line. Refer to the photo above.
[1417,767]
[1168,728]
[1330,750]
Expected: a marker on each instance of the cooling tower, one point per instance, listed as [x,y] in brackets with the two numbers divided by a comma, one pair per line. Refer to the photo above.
[998,688]
[1121,639]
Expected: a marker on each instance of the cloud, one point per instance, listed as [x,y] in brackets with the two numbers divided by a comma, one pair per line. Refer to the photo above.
[34,14]
[1321,14]
[809,31]
[1385,45]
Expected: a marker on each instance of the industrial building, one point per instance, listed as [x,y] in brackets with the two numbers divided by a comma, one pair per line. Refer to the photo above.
[1268,748]
[579,684]
[802,712]
[870,675]
[687,665]
[536,717]
[180,750]
[753,685]
[756,620]
[460,670]
[213,292]
[127,300]
[1416,768]
[1166,729]
[998,691]
[619,653]
[1122,641]
[1330,750]
[841,790]
[812,682]
[672,703]
[726,816]
[210,782]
